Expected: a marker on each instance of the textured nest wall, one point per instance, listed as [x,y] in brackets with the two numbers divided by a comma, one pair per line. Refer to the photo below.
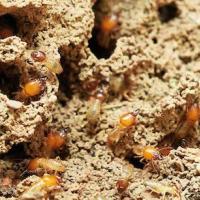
[151,65]
[40,25]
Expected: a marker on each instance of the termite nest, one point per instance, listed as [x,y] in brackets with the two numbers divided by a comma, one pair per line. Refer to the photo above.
[99,99]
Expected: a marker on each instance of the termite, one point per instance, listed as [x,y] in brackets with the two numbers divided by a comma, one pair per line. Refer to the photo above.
[30,89]
[162,189]
[44,185]
[107,26]
[54,66]
[46,164]
[121,85]
[192,116]
[123,183]
[151,154]
[94,109]
[126,121]
[55,140]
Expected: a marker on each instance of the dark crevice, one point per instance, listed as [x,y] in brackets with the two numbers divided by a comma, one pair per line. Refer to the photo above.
[168,12]
[160,73]
[17,153]
[68,80]
[155,40]
[8,26]
[64,80]
[180,143]
[9,80]
[135,161]
[102,43]
[171,141]
[3,130]
[98,50]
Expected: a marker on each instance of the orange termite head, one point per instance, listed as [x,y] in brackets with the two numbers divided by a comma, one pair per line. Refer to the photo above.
[193,114]
[50,180]
[122,185]
[32,88]
[127,120]
[109,23]
[56,140]
[151,153]
[33,164]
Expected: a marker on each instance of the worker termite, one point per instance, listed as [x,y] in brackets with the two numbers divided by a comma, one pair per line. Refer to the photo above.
[126,121]
[121,85]
[94,109]
[45,164]
[162,189]
[122,185]
[53,65]
[191,117]
[42,187]
[30,89]
[55,140]
[107,26]
[151,153]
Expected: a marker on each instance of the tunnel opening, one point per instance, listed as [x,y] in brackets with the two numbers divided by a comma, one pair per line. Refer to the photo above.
[9,80]
[168,12]
[8,26]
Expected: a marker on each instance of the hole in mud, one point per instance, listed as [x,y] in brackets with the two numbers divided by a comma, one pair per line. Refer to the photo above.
[98,49]
[64,83]
[103,41]
[17,152]
[155,40]
[9,80]
[160,73]
[3,130]
[136,162]
[8,26]
[168,12]
[68,80]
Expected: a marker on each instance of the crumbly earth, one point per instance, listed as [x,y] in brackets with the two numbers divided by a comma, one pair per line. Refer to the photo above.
[156,61]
